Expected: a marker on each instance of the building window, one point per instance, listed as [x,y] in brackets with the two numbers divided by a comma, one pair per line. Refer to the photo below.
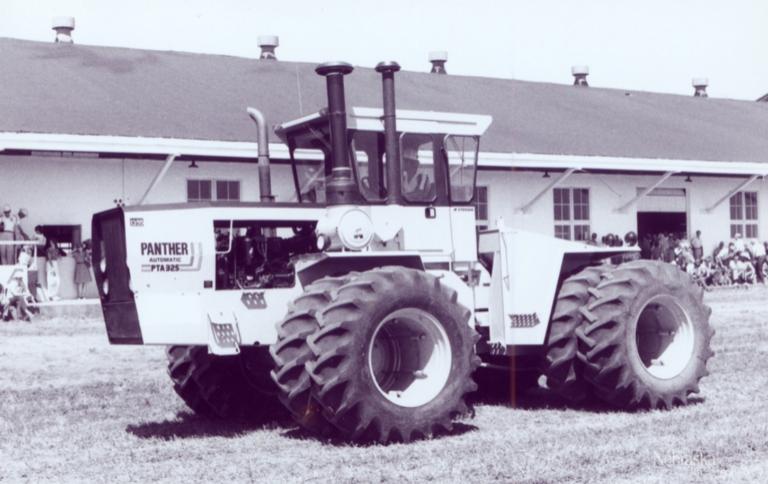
[198,190]
[744,214]
[481,207]
[203,190]
[228,190]
[571,213]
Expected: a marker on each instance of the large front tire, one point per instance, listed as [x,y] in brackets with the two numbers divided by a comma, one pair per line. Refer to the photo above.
[561,367]
[290,352]
[394,356]
[646,339]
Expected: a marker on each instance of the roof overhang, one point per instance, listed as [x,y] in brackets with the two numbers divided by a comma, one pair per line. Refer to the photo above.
[248,151]
[620,164]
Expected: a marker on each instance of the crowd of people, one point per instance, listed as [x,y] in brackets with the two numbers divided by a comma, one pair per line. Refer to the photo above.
[740,261]
[33,252]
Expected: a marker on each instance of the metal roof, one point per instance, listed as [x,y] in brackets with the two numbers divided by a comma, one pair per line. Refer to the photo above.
[106,91]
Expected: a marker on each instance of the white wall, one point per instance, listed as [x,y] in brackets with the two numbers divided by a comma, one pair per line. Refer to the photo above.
[511,189]
[68,191]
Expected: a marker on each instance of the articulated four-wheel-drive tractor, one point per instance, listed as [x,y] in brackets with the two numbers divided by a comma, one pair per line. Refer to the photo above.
[366,304]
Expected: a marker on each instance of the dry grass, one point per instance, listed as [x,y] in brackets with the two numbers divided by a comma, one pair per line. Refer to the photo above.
[72,408]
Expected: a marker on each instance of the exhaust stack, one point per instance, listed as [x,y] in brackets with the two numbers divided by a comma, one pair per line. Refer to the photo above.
[391,141]
[265,180]
[341,188]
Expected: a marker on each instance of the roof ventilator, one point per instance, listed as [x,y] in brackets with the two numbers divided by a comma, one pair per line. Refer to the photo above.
[268,44]
[63,27]
[438,58]
[580,74]
[700,86]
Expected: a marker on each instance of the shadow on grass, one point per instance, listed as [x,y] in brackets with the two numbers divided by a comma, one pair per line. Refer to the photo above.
[540,398]
[188,425]
[300,433]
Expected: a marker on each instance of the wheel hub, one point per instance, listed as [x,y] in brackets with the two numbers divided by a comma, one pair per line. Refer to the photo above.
[664,337]
[409,357]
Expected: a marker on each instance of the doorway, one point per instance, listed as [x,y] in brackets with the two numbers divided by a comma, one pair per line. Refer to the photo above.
[652,223]
[662,211]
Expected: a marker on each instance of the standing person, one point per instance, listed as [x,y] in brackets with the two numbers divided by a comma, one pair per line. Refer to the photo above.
[20,232]
[39,237]
[52,270]
[82,269]
[645,247]
[663,247]
[738,243]
[757,250]
[8,223]
[697,247]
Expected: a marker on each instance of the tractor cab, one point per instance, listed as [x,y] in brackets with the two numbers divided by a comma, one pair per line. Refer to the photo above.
[437,153]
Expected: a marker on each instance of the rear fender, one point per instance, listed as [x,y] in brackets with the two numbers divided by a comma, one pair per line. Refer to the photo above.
[526,274]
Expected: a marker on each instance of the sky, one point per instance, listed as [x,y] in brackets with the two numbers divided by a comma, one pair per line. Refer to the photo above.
[649,45]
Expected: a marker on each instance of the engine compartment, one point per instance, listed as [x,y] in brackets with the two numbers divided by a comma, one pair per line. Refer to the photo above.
[257,254]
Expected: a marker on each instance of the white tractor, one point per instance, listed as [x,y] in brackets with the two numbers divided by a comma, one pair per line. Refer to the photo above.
[367,304]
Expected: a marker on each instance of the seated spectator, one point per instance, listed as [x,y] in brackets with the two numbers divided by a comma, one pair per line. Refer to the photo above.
[16,295]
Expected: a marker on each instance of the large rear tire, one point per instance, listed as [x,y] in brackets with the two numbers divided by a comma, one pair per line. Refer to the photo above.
[646,339]
[561,367]
[394,356]
[215,386]
[290,352]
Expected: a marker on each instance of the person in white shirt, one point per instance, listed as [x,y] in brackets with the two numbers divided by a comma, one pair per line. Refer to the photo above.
[757,249]
[8,223]
[738,244]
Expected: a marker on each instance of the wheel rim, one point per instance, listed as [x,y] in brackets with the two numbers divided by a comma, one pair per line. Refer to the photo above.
[664,337]
[409,357]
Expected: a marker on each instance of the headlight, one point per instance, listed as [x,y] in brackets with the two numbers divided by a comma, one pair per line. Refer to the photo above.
[322,242]
[355,229]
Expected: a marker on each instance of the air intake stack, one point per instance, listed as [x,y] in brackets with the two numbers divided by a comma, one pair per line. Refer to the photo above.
[391,140]
[341,189]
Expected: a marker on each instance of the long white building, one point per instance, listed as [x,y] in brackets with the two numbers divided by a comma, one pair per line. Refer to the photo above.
[83,128]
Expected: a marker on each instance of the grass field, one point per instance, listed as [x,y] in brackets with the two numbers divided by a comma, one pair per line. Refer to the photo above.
[72,408]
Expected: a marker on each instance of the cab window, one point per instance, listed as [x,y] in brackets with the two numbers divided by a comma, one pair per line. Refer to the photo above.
[461,153]
[310,180]
[367,150]
[418,168]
